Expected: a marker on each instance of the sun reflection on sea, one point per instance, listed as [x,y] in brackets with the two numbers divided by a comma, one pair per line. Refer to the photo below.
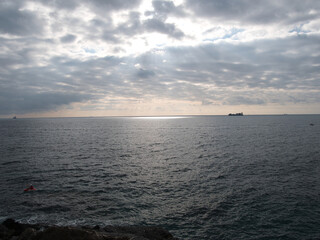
[160,117]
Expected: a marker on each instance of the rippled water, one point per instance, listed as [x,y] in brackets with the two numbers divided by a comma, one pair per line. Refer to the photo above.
[206,177]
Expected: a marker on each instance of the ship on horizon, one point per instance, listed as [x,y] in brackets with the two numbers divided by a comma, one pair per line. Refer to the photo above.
[236,114]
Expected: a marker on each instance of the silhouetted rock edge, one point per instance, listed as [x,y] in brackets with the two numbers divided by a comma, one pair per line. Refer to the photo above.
[13,230]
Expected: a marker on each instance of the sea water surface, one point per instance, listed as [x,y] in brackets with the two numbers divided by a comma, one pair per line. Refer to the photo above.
[200,177]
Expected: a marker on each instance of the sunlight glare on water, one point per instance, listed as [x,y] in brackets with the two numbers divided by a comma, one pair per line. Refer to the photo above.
[160,117]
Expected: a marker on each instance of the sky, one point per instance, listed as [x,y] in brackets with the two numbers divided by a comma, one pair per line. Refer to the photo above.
[138,58]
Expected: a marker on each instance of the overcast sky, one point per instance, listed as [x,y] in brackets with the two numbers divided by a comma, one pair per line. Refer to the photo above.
[136,57]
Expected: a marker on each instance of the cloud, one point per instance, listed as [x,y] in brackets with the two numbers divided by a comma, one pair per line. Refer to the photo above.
[243,100]
[135,26]
[145,73]
[99,6]
[163,9]
[106,54]
[156,25]
[102,6]
[18,22]
[15,101]
[163,6]
[212,74]
[69,38]
[257,12]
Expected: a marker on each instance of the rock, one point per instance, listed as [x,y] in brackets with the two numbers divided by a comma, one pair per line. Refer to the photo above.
[66,233]
[27,234]
[5,232]
[14,227]
[10,229]
[97,227]
[152,233]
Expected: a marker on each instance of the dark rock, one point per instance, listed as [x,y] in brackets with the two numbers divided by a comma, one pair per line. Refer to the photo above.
[66,233]
[152,233]
[97,227]
[10,230]
[5,232]
[15,227]
[27,234]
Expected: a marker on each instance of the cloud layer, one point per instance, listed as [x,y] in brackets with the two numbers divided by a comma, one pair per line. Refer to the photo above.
[160,57]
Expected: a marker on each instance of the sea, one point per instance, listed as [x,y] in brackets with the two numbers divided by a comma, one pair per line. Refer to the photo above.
[200,177]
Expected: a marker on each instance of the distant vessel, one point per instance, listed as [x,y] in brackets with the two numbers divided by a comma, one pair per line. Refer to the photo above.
[236,114]
[14,117]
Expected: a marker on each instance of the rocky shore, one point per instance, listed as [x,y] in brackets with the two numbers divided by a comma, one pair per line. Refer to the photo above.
[12,230]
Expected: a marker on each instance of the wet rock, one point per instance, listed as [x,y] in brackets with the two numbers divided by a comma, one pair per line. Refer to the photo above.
[154,233]
[4,232]
[27,234]
[53,233]
[97,227]
[14,227]
[10,230]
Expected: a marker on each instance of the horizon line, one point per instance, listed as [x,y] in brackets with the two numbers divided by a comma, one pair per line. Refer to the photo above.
[154,116]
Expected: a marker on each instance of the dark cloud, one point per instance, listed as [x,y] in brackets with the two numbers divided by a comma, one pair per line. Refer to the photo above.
[162,9]
[61,4]
[111,5]
[99,6]
[135,26]
[156,25]
[145,73]
[104,7]
[15,101]
[163,6]
[256,12]
[69,38]
[64,81]
[110,36]
[19,52]
[132,26]
[18,22]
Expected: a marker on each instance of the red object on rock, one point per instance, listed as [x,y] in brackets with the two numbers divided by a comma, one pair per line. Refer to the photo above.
[31,188]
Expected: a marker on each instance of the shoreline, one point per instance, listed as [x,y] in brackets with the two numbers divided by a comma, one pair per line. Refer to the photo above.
[11,229]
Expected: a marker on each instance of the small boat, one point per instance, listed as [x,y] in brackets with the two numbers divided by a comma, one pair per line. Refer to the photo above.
[14,117]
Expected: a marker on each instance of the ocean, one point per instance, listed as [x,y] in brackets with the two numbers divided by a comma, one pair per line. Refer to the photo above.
[200,177]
